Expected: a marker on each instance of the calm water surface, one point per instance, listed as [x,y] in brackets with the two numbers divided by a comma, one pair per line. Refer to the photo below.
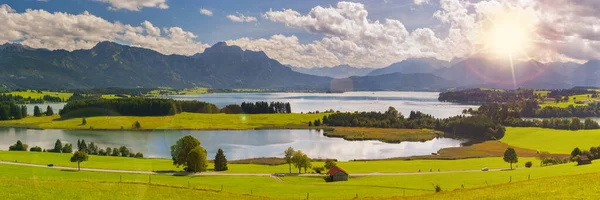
[404,102]
[236,144]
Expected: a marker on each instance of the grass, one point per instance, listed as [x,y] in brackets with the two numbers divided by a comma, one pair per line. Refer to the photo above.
[484,149]
[572,100]
[382,166]
[193,91]
[291,187]
[36,95]
[62,189]
[183,121]
[111,96]
[390,135]
[562,187]
[551,140]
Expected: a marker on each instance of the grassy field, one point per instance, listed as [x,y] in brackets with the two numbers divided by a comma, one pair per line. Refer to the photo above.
[381,166]
[485,149]
[188,121]
[63,189]
[390,135]
[562,187]
[193,91]
[572,100]
[297,187]
[37,95]
[551,140]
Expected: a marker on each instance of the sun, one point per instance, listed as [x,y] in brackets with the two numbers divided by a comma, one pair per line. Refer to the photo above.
[508,34]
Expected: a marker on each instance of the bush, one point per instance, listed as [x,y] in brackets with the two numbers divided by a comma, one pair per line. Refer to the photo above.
[68,148]
[318,170]
[36,149]
[136,125]
[528,164]
[139,155]
[329,164]
[437,188]
[19,146]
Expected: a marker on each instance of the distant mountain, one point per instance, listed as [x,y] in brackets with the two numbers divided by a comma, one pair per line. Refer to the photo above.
[340,71]
[412,66]
[394,81]
[482,72]
[587,74]
[110,64]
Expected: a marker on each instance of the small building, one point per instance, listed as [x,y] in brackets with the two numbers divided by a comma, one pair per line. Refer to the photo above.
[337,174]
[583,102]
[584,160]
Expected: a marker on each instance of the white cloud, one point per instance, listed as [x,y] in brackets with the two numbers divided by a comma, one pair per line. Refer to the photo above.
[206,12]
[241,18]
[419,2]
[135,5]
[42,29]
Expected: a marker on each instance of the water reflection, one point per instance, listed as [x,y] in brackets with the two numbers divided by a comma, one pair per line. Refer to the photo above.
[236,144]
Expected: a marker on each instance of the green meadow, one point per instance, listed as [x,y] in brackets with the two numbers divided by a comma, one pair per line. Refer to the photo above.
[184,121]
[551,140]
[290,186]
[36,95]
[146,164]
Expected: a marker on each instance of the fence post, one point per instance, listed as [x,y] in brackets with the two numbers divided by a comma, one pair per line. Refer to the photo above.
[250,191]
[529,177]
[120,178]
[188,183]
[510,180]
[149,180]
[307,196]
[221,187]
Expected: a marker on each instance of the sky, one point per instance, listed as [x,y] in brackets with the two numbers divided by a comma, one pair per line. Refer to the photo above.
[316,33]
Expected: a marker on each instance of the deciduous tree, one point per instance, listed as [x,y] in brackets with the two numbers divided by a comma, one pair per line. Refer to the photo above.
[510,156]
[79,156]
[289,154]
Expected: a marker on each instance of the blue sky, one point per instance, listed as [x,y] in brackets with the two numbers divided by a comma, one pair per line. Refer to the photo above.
[212,29]
[315,33]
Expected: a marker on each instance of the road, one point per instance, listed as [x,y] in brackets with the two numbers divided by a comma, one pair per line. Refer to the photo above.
[237,174]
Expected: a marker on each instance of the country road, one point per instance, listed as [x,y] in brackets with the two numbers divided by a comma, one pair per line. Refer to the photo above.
[239,174]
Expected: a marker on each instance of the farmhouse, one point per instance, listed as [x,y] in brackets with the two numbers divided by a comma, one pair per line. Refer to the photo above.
[584,160]
[337,174]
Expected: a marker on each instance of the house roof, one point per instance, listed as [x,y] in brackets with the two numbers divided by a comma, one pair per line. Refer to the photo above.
[336,169]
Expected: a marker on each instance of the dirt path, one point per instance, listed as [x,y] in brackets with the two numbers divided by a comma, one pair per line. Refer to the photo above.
[237,174]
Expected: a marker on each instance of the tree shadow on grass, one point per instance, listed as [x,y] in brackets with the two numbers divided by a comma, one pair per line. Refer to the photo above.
[69,170]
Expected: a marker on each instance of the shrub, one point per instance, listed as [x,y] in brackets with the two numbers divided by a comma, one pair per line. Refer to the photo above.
[528,164]
[139,155]
[68,148]
[329,164]
[19,146]
[437,188]
[136,125]
[36,149]
[318,170]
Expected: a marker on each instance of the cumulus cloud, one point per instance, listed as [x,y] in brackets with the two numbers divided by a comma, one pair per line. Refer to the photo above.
[206,12]
[419,2]
[241,18]
[135,5]
[42,29]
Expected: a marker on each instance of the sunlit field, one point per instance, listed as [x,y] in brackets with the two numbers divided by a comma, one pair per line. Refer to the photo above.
[551,140]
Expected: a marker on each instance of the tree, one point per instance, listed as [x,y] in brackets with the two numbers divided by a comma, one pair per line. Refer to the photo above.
[309,123]
[139,155]
[83,121]
[82,146]
[306,162]
[510,156]
[108,151]
[318,170]
[575,152]
[68,148]
[36,111]
[220,161]
[528,164]
[136,125]
[102,152]
[57,146]
[298,160]
[49,111]
[289,153]
[329,164]
[196,160]
[36,149]
[124,151]
[115,152]
[24,111]
[19,146]
[79,156]
[182,148]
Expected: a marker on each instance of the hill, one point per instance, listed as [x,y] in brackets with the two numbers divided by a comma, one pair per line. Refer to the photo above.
[340,71]
[412,66]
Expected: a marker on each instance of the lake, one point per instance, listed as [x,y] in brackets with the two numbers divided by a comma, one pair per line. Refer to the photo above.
[404,102]
[426,102]
[236,144]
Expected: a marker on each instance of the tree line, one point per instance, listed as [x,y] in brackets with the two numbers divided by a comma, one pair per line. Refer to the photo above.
[472,127]
[10,111]
[163,107]
[9,98]
[263,107]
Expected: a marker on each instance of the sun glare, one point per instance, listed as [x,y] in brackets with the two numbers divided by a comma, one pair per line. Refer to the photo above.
[508,33]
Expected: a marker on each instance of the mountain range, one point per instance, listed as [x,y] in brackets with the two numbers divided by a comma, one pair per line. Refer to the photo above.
[340,71]
[221,66]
